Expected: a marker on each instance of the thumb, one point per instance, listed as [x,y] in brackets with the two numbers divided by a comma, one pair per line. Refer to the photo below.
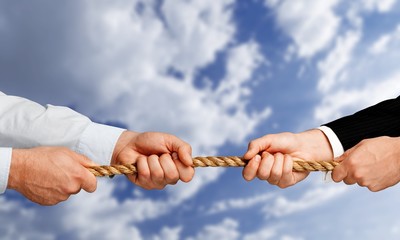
[89,182]
[183,149]
[342,157]
[85,161]
[256,146]
[340,171]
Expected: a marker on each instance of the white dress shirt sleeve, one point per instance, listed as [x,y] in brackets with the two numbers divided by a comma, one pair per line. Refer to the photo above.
[5,160]
[26,124]
[336,145]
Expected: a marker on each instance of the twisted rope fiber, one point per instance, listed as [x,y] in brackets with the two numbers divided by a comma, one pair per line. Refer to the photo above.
[231,161]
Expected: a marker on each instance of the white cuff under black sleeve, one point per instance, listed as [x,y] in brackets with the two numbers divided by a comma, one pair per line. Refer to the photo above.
[336,145]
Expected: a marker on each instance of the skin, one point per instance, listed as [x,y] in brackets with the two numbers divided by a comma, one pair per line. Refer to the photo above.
[49,175]
[271,156]
[373,163]
[161,158]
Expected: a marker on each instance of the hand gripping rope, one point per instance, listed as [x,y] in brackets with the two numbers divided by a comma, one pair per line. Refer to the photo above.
[231,161]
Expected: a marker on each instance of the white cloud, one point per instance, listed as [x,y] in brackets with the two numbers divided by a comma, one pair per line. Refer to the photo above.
[169,233]
[239,203]
[344,81]
[385,42]
[203,24]
[151,46]
[19,222]
[287,237]
[242,61]
[348,100]
[312,198]
[126,78]
[227,229]
[380,45]
[264,233]
[84,216]
[122,61]
[271,231]
[132,81]
[351,81]
[379,5]
[335,63]
[311,24]
[183,191]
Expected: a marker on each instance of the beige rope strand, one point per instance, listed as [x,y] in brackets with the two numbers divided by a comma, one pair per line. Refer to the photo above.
[232,161]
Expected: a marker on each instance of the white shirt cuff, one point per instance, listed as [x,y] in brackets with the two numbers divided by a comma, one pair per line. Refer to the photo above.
[97,142]
[5,161]
[336,145]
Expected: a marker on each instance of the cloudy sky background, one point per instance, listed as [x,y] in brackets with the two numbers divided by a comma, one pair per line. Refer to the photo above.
[217,74]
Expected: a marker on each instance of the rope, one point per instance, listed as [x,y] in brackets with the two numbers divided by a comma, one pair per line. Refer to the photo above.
[298,165]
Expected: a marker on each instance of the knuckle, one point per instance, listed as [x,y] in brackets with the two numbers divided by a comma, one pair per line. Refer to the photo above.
[373,189]
[187,177]
[263,174]
[362,183]
[252,144]
[273,181]
[160,187]
[158,175]
[358,176]
[352,164]
[146,187]
[144,174]
[284,185]
[172,177]
[173,183]
[60,198]
[71,188]
[276,174]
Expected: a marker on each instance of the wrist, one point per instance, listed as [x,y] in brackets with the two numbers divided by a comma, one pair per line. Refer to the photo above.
[17,168]
[315,142]
[124,139]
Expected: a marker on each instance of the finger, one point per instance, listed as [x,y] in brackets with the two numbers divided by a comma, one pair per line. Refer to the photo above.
[89,183]
[183,149]
[88,180]
[171,173]
[85,161]
[250,170]
[185,173]
[256,146]
[340,158]
[339,173]
[264,170]
[349,180]
[143,175]
[156,171]
[276,170]
[287,178]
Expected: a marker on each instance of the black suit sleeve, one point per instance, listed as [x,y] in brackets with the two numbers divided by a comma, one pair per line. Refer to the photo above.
[382,119]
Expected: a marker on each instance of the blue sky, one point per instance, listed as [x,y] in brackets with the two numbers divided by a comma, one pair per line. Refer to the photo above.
[217,74]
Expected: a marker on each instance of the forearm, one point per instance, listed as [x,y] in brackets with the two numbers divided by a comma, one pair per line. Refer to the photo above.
[317,144]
